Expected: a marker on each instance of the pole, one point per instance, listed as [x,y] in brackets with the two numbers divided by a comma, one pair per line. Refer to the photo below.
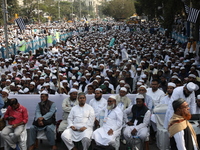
[80,9]
[38,11]
[59,10]
[4,8]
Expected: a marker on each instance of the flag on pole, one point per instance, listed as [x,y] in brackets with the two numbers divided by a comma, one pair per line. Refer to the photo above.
[193,15]
[20,23]
[187,8]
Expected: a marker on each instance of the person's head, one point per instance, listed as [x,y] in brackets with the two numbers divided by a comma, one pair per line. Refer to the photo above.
[81,99]
[181,108]
[90,89]
[111,102]
[14,103]
[44,96]
[5,94]
[198,101]
[122,92]
[98,94]
[142,90]
[189,88]
[170,88]
[140,100]
[73,94]
[154,85]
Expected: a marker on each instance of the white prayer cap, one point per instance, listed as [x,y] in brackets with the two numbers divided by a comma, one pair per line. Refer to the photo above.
[41,78]
[76,68]
[171,84]
[141,80]
[139,69]
[12,84]
[64,81]
[98,89]
[139,83]
[21,91]
[101,65]
[144,76]
[142,61]
[5,90]
[182,68]
[44,92]
[73,90]
[95,81]
[142,86]
[191,86]
[192,76]
[98,76]
[88,74]
[112,96]
[198,96]
[122,81]
[26,90]
[46,84]
[19,86]
[73,77]
[174,77]
[33,83]
[123,89]
[8,80]
[140,96]
[28,79]
[54,77]
[75,83]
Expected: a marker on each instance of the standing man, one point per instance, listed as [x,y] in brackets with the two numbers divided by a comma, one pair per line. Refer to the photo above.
[98,103]
[49,40]
[181,132]
[112,124]
[22,45]
[17,117]
[44,120]
[170,88]
[185,92]
[67,105]
[80,124]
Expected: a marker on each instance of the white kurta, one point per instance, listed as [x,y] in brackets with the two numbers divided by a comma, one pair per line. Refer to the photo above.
[80,117]
[156,96]
[178,93]
[98,106]
[112,120]
[165,100]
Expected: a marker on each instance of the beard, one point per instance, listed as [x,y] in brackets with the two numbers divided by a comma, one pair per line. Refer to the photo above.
[98,98]
[186,115]
[110,107]
[185,94]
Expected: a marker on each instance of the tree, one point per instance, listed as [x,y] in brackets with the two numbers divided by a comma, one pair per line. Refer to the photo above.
[119,9]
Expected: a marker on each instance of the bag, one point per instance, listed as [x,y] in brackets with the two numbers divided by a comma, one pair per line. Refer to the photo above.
[2,124]
[45,122]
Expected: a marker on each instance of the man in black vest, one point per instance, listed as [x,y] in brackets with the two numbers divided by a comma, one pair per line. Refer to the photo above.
[44,120]
[181,132]
[137,127]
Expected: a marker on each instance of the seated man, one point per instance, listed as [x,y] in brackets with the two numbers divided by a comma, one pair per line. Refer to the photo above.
[122,100]
[137,127]
[17,116]
[44,120]
[112,124]
[80,124]
[67,105]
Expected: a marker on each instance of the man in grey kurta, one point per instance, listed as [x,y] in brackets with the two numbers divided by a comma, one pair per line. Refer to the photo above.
[67,105]
[45,120]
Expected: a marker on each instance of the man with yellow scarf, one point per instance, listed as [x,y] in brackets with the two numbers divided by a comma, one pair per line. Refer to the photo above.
[181,132]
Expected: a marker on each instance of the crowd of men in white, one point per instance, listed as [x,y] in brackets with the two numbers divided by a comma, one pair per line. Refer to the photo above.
[112,61]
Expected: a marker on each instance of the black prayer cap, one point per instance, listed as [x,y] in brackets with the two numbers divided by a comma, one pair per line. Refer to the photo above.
[177,103]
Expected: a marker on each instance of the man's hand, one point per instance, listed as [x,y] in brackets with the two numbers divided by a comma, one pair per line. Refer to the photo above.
[40,123]
[129,123]
[73,128]
[14,125]
[82,129]
[40,118]
[134,131]
[110,132]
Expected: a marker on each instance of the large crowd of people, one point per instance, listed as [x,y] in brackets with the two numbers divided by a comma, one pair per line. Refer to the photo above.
[103,58]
